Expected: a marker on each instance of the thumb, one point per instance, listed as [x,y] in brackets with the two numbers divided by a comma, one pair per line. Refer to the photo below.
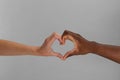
[69,54]
[58,55]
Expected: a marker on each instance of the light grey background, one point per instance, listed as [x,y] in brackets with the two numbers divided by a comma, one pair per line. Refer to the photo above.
[31,21]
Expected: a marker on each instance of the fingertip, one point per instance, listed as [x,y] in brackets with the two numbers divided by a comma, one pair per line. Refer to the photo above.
[64,59]
[59,55]
[67,55]
[62,43]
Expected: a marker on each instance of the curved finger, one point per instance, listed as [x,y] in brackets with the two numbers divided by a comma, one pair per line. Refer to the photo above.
[67,35]
[53,37]
[58,37]
[68,54]
[58,55]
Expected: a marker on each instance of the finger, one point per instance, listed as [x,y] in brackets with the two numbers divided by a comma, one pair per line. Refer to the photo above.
[73,34]
[53,37]
[64,34]
[58,55]
[64,37]
[63,40]
[68,54]
[67,35]
[58,37]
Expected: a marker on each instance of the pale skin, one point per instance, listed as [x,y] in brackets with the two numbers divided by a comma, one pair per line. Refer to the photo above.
[10,48]
[83,46]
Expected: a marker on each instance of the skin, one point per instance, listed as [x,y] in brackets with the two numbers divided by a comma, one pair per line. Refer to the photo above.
[9,48]
[83,46]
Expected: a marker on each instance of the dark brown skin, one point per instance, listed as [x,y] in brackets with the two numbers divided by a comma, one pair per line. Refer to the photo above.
[83,46]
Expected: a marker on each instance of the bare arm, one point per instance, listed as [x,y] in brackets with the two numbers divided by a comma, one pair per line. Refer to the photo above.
[83,46]
[111,52]
[10,48]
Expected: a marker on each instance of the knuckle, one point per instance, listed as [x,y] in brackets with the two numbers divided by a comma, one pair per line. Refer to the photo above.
[65,32]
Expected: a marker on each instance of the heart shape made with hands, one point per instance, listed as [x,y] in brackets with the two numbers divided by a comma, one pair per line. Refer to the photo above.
[62,48]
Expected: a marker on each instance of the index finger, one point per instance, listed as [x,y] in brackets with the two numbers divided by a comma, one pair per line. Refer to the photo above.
[68,35]
[53,37]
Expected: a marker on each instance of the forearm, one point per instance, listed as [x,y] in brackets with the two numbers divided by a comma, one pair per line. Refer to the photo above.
[108,51]
[9,48]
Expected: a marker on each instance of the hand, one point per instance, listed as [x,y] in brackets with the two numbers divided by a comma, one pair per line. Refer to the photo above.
[46,50]
[81,45]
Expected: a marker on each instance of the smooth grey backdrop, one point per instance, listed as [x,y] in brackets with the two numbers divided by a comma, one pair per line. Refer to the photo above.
[31,21]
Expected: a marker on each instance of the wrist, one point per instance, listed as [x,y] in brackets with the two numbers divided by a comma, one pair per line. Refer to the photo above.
[34,50]
[94,47]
